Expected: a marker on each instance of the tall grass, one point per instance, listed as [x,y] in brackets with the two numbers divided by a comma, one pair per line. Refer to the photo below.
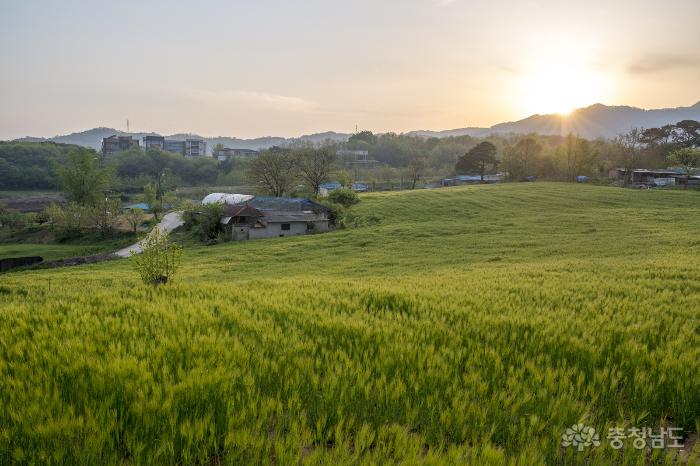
[470,326]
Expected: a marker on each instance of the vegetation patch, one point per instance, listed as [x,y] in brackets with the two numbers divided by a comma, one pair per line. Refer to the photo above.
[414,349]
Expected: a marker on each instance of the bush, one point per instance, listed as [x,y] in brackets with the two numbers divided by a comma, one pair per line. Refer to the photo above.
[74,220]
[343,196]
[336,212]
[205,221]
[159,258]
[352,220]
[11,219]
[69,221]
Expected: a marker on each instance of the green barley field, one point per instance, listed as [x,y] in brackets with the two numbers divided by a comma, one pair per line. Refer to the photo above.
[471,325]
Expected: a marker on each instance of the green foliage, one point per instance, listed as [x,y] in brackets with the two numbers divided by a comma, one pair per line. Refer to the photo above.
[105,214]
[205,221]
[344,196]
[71,220]
[157,198]
[159,258]
[352,219]
[344,178]
[135,166]
[416,168]
[687,158]
[31,165]
[520,160]
[363,138]
[478,160]
[82,179]
[472,325]
[11,219]
[336,212]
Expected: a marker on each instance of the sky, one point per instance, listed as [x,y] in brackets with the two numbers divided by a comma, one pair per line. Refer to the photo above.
[291,67]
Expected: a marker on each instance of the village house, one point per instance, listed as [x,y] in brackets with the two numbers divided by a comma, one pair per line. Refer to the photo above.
[256,217]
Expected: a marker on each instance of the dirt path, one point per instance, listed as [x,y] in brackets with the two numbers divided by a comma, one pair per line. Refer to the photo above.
[168,223]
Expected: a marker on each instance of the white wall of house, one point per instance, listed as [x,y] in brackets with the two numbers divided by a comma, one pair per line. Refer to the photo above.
[275,230]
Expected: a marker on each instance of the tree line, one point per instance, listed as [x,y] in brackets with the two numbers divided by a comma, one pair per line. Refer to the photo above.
[32,166]
[280,171]
[567,157]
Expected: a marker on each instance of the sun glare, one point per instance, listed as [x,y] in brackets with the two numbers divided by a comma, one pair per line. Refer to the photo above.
[559,73]
[561,88]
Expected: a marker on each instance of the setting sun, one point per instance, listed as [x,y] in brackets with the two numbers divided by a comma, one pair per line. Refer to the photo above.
[557,88]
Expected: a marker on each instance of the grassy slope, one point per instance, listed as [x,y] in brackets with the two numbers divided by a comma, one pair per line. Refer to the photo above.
[471,324]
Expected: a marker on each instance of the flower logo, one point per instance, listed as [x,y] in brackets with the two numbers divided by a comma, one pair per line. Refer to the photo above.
[580,436]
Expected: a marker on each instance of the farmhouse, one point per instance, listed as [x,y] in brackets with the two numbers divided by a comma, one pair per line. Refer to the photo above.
[247,217]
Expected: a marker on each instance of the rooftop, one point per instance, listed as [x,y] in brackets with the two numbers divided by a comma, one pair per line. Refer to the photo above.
[285,204]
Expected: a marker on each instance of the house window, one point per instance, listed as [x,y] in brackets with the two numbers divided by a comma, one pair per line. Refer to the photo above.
[286,227]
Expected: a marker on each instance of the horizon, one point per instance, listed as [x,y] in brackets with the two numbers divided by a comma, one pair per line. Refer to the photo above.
[288,70]
[322,131]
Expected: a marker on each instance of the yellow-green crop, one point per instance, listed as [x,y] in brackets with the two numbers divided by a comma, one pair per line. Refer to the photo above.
[470,326]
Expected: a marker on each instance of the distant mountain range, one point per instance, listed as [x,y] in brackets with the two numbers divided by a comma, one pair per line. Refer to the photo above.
[596,121]
[93,138]
[590,122]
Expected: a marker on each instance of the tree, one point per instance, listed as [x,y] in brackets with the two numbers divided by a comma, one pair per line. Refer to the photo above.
[686,133]
[274,171]
[363,137]
[157,200]
[445,154]
[415,170]
[630,146]
[105,213]
[82,178]
[571,155]
[216,149]
[135,218]
[520,158]
[478,160]
[687,158]
[69,220]
[206,221]
[159,258]
[344,178]
[315,165]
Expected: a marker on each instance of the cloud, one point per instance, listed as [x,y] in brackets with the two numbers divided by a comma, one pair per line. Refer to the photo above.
[655,63]
[257,99]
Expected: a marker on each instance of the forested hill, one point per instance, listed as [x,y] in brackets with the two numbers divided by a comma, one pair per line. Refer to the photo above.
[590,122]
